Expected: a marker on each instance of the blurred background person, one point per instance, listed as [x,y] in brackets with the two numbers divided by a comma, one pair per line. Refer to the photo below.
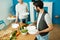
[21,11]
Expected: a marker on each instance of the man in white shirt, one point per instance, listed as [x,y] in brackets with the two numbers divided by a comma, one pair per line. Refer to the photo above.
[44,23]
[21,8]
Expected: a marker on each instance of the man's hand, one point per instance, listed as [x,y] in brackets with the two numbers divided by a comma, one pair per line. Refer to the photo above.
[31,25]
[16,22]
[38,32]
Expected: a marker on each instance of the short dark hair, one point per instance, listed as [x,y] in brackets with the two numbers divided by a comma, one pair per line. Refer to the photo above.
[38,4]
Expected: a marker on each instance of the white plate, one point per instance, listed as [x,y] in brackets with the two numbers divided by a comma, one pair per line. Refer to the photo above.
[32,29]
[14,25]
[25,14]
[9,18]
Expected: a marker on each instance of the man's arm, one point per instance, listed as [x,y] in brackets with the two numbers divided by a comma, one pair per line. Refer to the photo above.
[26,7]
[50,28]
[17,14]
[49,23]
[16,19]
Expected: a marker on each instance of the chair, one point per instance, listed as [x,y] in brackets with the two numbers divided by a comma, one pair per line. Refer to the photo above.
[2,24]
[28,22]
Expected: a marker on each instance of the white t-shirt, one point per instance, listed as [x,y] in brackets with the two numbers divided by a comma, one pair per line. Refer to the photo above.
[21,9]
[47,19]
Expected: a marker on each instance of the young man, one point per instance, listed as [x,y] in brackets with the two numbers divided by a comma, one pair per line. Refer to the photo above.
[44,23]
[21,8]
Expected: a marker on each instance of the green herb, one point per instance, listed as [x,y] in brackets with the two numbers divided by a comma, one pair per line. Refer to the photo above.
[21,28]
[13,37]
[24,31]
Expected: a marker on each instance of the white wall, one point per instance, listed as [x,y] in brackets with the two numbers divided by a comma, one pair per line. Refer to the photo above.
[46,4]
[4,10]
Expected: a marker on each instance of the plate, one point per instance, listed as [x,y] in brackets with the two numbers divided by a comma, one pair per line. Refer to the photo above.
[9,18]
[25,14]
[32,29]
[14,25]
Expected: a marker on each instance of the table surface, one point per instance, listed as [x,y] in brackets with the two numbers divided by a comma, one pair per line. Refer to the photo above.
[5,34]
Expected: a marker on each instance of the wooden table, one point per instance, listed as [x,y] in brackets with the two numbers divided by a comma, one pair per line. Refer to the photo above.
[19,37]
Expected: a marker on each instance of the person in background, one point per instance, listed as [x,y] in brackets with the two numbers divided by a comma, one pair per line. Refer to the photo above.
[21,8]
[44,23]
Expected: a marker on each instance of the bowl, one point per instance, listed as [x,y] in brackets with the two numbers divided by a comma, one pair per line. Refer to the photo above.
[24,31]
[32,31]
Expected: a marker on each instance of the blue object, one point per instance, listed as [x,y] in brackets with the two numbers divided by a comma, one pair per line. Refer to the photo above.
[56,10]
[29,22]
[39,37]
[2,22]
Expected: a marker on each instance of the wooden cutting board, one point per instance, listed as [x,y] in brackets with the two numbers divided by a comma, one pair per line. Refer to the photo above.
[19,37]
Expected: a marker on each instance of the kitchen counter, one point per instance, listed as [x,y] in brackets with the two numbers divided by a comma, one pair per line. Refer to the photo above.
[5,34]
